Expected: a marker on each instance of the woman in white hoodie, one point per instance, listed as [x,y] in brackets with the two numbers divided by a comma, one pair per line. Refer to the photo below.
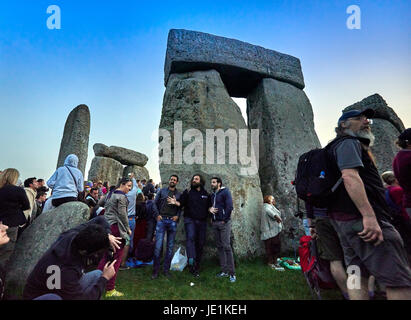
[66,182]
[271,226]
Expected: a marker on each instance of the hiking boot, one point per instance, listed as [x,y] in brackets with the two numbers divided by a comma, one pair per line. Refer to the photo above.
[222,275]
[154,276]
[114,293]
[233,278]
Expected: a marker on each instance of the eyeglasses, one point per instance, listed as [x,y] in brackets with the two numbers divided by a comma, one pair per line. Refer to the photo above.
[362,118]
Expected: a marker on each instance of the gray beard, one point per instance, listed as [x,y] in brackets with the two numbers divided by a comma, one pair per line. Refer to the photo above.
[362,134]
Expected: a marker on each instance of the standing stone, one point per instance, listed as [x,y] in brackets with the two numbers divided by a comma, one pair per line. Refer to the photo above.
[199,101]
[38,238]
[105,169]
[125,156]
[76,136]
[284,116]
[140,173]
[386,128]
[241,65]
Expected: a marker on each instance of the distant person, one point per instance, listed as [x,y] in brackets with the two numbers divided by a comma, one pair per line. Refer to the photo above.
[402,168]
[151,221]
[149,188]
[167,213]
[116,214]
[3,240]
[71,253]
[41,198]
[195,201]
[66,182]
[13,201]
[222,206]
[92,202]
[271,227]
[42,186]
[30,186]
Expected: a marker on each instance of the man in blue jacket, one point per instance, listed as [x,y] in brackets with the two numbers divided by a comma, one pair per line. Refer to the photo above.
[222,205]
[167,211]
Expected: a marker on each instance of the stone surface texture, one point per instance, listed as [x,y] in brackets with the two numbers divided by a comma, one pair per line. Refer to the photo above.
[105,169]
[140,173]
[124,156]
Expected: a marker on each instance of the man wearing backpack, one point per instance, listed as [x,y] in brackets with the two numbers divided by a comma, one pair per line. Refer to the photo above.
[359,212]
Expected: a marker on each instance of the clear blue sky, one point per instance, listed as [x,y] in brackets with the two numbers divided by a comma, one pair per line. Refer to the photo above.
[110,56]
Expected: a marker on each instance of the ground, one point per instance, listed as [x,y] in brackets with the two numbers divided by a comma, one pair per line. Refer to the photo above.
[255,281]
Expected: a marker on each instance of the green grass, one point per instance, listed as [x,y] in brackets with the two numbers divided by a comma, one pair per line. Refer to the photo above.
[255,281]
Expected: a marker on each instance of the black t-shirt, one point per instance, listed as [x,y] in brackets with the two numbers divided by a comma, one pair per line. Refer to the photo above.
[169,210]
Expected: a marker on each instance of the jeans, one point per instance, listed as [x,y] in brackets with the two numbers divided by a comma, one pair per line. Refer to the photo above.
[222,232]
[164,226]
[88,280]
[132,224]
[306,227]
[196,236]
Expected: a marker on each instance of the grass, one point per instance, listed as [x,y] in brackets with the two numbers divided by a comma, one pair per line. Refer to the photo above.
[255,281]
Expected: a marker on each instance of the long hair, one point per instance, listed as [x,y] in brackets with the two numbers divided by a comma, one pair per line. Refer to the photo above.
[202,181]
[9,176]
[140,198]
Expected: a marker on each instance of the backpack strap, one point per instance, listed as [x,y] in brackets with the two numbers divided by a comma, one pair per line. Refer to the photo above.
[75,182]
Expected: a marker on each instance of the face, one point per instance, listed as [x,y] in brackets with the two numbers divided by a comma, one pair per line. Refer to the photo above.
[127,187]
[94,194]
[272,201]
[172,182]
[360,123]
[41,184]
[196,182]
[43,198]
[214,184]
[35,184]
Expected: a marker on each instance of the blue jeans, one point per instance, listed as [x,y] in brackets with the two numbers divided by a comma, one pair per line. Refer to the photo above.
[196,236]
[86,282]
[163,226]
[306,227]
[132,224]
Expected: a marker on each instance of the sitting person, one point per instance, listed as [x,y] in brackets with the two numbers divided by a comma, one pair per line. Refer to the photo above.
[70,253]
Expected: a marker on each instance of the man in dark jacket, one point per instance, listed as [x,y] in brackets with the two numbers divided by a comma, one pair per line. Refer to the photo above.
[149,188]
[222,205]
[167,212]
[195,202]
[59,274]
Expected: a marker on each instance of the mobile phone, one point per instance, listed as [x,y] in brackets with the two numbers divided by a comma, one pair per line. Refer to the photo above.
[357,226]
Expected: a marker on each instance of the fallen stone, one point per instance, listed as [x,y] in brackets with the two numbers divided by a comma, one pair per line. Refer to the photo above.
[38,237]
[76,136]
[241,65]
[124,156]
[105,169]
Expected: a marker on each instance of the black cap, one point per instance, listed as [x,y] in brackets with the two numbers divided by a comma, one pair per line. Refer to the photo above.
[405,135]
[369,113]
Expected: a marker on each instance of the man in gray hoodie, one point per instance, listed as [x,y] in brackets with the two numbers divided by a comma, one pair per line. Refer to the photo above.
[66,182]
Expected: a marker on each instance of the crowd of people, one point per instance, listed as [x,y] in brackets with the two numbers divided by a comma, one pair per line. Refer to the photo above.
[368,224]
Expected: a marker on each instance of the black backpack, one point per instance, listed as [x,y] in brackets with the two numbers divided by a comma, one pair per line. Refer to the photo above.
[318,176]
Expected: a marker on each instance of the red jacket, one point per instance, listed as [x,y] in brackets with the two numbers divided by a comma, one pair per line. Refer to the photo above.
[402,170]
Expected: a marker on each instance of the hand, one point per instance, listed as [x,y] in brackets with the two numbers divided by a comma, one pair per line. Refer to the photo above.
[175,218]
[372,231]
[213,210]
[3,236]
[159,218]
[115,242]
[171,200]
[129,232]
[132,175]
[109,271]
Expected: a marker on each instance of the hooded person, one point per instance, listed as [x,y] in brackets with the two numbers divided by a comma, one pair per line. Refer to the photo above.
[66,182]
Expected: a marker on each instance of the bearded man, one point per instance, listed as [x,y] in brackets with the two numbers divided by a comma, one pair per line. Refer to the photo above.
[359,213]
[195,202]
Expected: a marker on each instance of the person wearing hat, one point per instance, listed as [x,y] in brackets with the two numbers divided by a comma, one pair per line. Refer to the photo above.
[402,168]
[360,215]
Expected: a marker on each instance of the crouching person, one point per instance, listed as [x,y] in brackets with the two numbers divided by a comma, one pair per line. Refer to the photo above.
[59,274]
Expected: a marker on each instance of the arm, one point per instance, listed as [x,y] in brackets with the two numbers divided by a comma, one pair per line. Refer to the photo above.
[52,181]
[156,205]
[228,207]
[273,214]
[23,200]
[355,189]
[122,210]
[80,183]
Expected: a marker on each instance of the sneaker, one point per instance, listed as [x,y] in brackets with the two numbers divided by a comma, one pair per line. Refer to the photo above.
[114,293]
[222,275]
[233,278]
[196,274]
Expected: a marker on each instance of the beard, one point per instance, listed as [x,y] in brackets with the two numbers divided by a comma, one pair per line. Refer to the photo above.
[194,185]
[365,134]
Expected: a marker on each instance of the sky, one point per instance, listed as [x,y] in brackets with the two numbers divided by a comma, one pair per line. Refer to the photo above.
[110,56]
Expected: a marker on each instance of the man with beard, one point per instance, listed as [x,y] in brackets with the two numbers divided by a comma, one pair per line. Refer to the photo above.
[221,208]
[195,202]
[359,213]
[167,211]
